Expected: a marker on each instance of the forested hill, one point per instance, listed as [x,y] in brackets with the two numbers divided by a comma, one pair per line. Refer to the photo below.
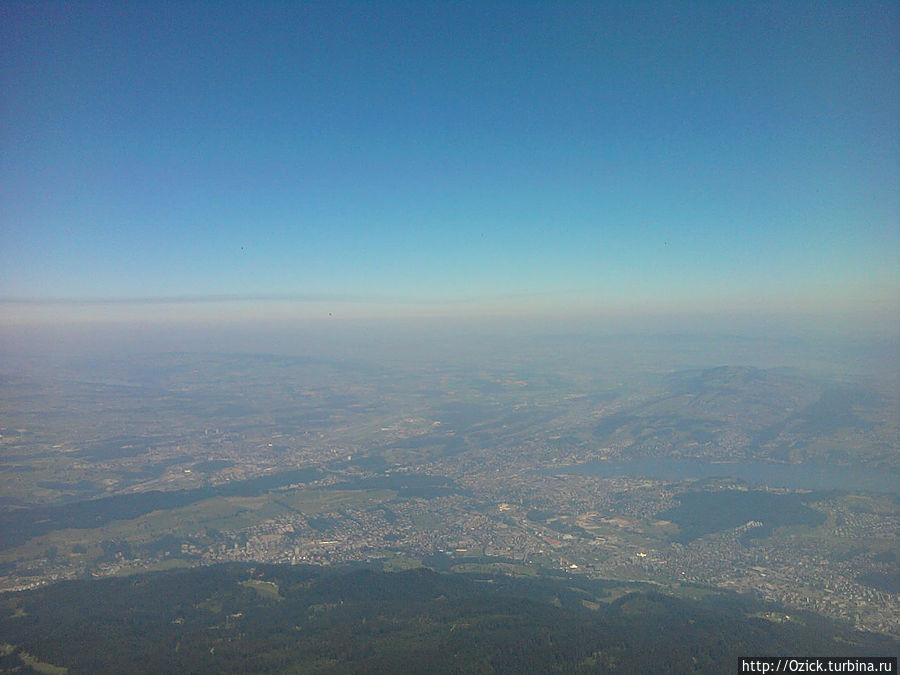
[261,618]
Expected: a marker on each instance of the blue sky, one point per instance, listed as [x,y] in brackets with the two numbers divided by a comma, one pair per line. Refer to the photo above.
[379,156]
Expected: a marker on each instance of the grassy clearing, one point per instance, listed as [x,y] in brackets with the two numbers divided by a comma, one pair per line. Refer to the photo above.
[266,589]
[158,566]
[426,521]
[398,562]
[40,666]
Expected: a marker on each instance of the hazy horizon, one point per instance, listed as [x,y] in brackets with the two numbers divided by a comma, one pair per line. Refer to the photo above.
[390,160]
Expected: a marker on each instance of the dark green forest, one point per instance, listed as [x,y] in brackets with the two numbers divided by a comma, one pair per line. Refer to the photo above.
[291,619]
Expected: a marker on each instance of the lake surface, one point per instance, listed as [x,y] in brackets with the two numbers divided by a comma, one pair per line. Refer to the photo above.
[771,474]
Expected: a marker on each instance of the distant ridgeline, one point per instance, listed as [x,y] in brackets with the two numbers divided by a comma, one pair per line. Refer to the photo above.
[264,618]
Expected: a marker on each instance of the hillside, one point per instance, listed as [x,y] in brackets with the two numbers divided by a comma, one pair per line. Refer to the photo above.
[242,618]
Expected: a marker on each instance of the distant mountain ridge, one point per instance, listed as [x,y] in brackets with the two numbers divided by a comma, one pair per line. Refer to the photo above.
[742,412]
